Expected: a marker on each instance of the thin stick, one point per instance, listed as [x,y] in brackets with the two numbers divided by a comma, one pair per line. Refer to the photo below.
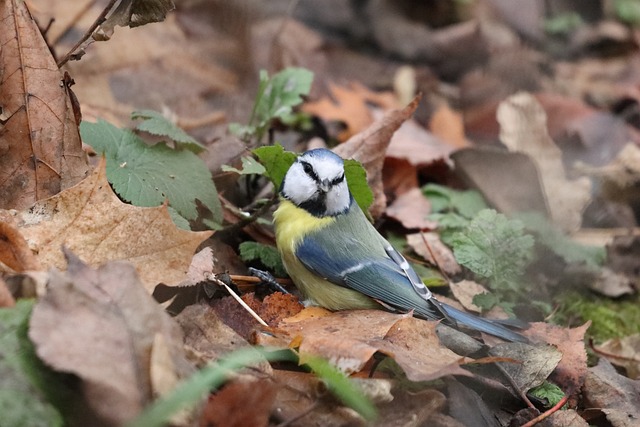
[244,221]
[213,278]
[87,7]
[515,387]
[254,279]
[101,18]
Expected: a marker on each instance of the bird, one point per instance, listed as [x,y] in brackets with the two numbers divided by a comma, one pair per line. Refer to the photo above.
[338,260]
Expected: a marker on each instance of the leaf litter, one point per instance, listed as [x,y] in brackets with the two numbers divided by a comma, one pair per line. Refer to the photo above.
[353,339]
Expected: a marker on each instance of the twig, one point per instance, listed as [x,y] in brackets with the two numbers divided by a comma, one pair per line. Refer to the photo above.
[548,413]
[243,222]
[213,278]
[515,387]
[253,279]
[101,18]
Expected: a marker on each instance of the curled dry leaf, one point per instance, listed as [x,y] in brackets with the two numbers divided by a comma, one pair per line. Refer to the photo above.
[523,128]
[14,250]
[369,148]
[40,149]
[91,221]
[114,368]
[624,352]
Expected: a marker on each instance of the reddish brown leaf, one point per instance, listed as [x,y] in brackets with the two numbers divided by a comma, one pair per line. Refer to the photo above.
[448,125]
[14,250]
[411,209]
[240,404]
[40,149]
[369,148]
[429,246]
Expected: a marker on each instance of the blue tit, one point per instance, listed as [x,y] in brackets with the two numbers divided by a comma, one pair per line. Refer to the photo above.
[339,261]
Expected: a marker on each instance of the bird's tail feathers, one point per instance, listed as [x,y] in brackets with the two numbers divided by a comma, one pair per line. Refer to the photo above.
[488,326]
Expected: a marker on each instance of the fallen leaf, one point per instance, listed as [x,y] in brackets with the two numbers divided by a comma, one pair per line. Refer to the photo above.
[6,299]
[465,290]
[349,105]
[616,396]
[369,147]
[509,181]
[14,250]
[567,418]
[114,369]
[91,221]
[536,362]
[448,125]
[207,336]
[40,149]
[413,409]
[523,128]
[623,352]
[348,339]
[466,406]
[444,258]
[411,209]
[572,369]
[241,403]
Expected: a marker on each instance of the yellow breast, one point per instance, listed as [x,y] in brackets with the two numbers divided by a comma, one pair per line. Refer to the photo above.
[292,225]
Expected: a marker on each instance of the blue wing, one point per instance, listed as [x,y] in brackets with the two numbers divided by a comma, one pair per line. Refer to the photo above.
[346,261]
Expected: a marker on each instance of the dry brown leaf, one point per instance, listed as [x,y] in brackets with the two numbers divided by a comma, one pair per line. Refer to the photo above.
[465,290]
[40,149]
[348,339]
[14,250]
[624,352]
[369,148]
[411,209]
[618,397]
[349,105]
[572,369]
[448,125]
[535,362]
[113,366]
[208,337]
[91,221]
[567,418]
[523,128]
[240,404]
[444,258]
[6,299]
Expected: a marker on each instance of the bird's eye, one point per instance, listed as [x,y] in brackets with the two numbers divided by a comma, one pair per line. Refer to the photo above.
[338,180]
[308,169]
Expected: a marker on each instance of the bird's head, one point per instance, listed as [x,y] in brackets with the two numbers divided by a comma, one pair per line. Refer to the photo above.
[316,183]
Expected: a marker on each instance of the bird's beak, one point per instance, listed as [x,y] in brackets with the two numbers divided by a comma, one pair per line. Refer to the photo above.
[324,185]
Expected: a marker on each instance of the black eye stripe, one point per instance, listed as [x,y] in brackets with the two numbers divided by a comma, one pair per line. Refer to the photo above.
[337,180]
[308,169]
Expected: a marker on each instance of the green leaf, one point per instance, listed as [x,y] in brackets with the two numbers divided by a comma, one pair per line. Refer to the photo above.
[444,199]
[495,248]
[276,98]
[249,166]
[341,387]
[267,255]
[358,186]
[276,161]
[24,379]
[486,301]
[549,392]
[178,220]
[147,175]
[156,124]
[558,242]
[628,11]
[563,24]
